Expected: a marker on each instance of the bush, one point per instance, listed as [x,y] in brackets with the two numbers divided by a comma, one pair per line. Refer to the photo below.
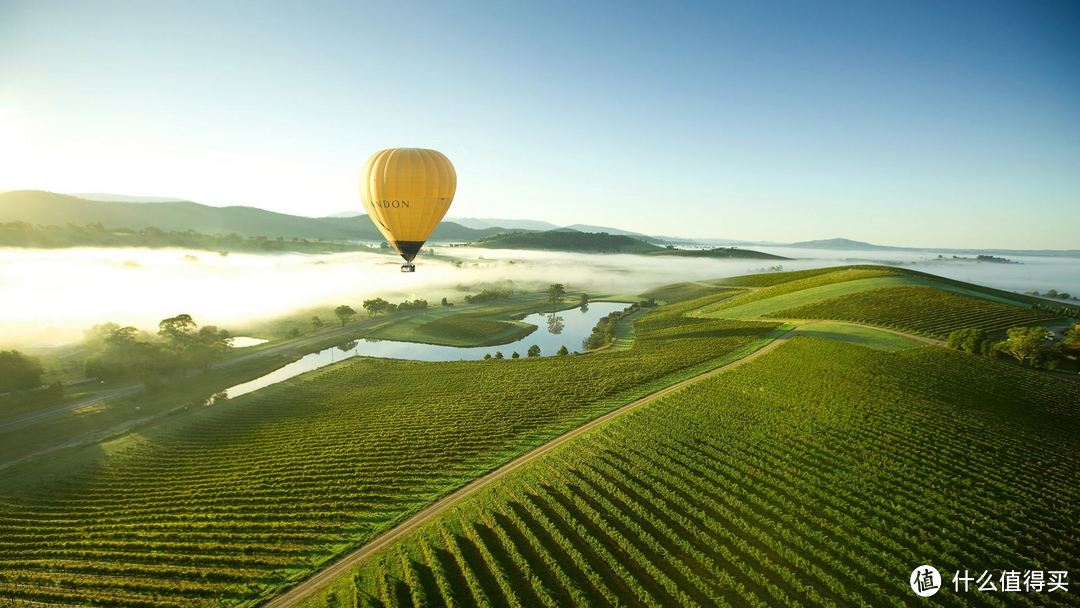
[18,371]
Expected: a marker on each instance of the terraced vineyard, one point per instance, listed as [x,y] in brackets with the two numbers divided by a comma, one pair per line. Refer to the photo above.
[919,309]
[819,474]
[227,505]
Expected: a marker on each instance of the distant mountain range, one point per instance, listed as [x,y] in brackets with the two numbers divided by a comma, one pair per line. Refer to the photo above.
[840,244]
[569,239]
[48,208]
[124,211]
[124,198]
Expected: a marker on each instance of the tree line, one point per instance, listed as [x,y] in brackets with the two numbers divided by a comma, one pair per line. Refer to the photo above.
[1031,346]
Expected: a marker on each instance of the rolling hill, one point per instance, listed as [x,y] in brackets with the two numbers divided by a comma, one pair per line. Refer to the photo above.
[569,239]
[48,208]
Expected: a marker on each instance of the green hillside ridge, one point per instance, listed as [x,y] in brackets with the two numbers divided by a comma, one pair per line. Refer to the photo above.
[23,234]
[51,209]
[235,500]
[571,240]
[816,475]
[773,470]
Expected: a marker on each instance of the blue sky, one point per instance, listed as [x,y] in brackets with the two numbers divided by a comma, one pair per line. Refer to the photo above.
[906,123]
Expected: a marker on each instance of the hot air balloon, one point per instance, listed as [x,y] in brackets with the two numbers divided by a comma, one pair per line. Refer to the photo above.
[407,191]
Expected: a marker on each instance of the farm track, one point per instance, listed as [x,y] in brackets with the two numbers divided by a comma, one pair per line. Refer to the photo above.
[327,575]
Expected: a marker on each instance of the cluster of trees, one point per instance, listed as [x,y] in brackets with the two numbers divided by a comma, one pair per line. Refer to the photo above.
[1055,294]
[1031,346]
[489,294]
[534,351]
[19,371]
[125,353]
[604,331]
[374,308]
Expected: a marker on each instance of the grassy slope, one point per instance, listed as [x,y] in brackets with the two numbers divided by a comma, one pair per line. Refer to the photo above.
[877,295]
[236,499]
[919,309]
[861,336]
[820,473]
[470,329]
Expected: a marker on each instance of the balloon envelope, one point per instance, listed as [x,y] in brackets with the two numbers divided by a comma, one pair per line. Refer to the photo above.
[407,191]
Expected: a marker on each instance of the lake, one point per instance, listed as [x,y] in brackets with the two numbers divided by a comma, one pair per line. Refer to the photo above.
[565,328]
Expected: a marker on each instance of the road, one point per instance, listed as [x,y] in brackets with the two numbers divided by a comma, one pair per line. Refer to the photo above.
[131,389]
[122,391]
[324,577]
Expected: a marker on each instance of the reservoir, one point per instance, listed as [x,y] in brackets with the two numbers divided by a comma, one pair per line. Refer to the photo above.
[553,330]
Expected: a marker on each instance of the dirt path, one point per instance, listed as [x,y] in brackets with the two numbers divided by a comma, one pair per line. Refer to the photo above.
[324,577]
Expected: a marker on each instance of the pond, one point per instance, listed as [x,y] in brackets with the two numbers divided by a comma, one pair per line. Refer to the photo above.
[246,341]
[565,328]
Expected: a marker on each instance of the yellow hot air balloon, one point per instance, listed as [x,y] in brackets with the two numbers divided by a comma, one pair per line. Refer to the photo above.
[407,191]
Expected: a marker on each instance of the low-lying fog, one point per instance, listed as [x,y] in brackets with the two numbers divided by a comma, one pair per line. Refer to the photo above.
[50,296]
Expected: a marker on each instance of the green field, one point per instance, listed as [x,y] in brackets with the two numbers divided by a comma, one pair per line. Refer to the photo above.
[820,474]
[918,309]
[856,334]
[235,501]
[473,329]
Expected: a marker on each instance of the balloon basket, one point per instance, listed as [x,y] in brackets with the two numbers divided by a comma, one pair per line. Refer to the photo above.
[408,268]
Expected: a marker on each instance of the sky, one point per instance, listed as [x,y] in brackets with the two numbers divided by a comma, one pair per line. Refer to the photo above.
[905,123]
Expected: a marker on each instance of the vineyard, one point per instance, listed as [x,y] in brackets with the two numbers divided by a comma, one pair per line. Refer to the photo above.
[820,474]
[229,504]
[918,309]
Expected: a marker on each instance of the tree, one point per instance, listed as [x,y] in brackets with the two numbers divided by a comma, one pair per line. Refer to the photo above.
[210,344]
[376,306]
[515,355]
[534,351]
[445,302]
[1070,344]
[345,313]
[178,330]
[584,299]
[1025,344]
[968,340]
[555,292]
[316,323]
[563,351]
[19,371]
[498,354]
[487,356]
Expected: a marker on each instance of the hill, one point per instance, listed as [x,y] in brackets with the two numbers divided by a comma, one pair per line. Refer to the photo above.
[720,252]
[48,208]
[570,239]
[842,244]
[478,223]
[806,478]
[124,198]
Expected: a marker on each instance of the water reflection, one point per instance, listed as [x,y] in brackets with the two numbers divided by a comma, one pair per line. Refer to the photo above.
[568,328]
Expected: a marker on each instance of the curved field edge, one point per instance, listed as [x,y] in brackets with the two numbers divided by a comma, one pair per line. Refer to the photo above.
[767,486]
[919,309]
[240,500]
